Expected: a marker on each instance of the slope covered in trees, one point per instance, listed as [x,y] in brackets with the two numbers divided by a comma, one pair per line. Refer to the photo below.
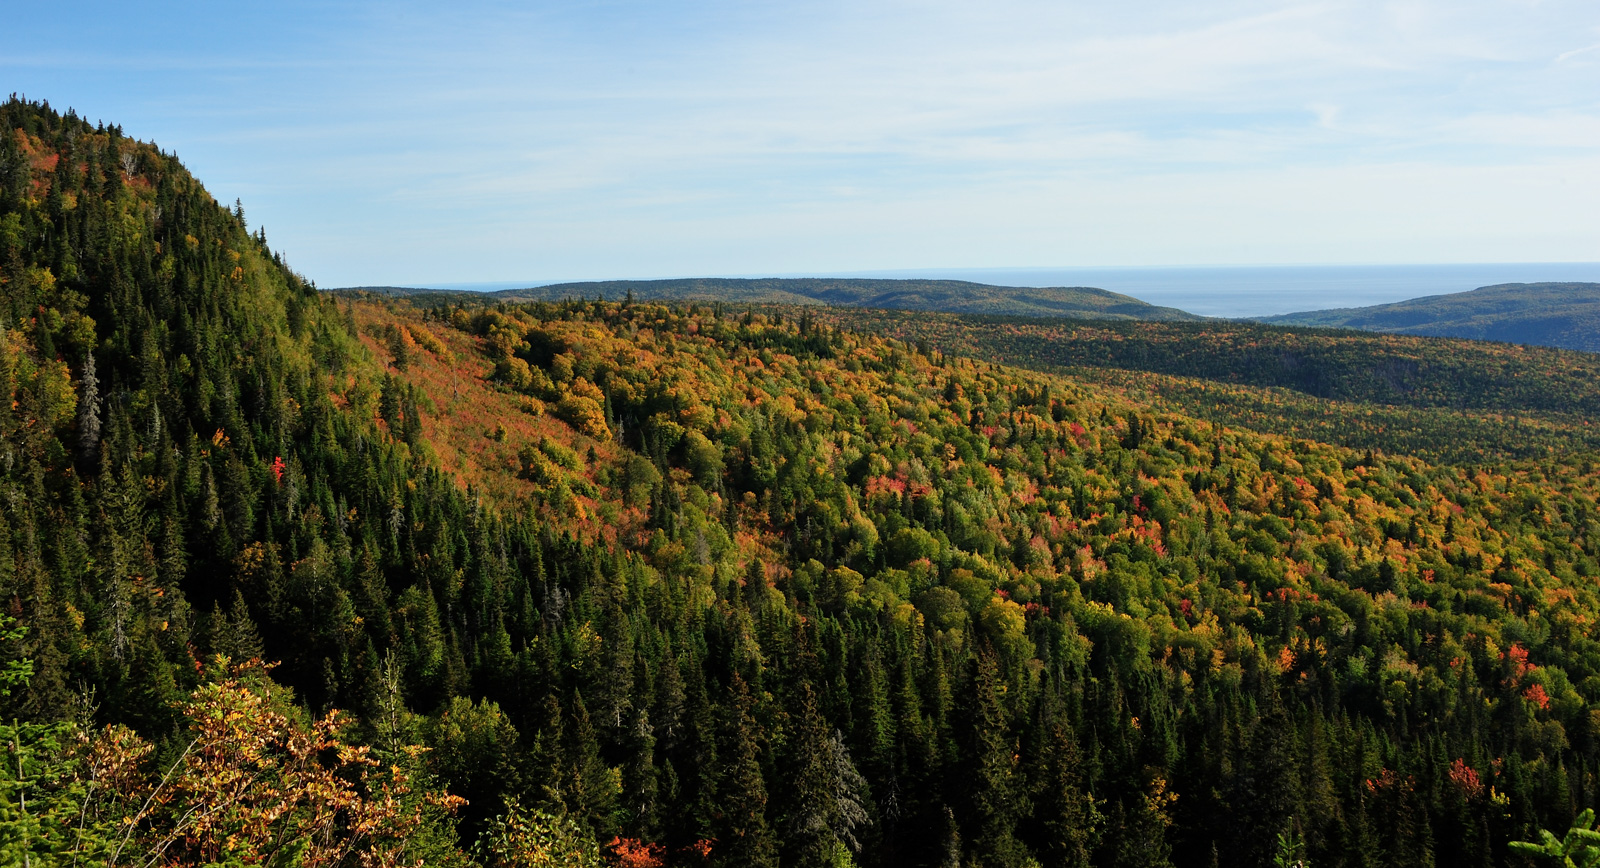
[728,588]
[1441,398]
[1545,314]
[706,367]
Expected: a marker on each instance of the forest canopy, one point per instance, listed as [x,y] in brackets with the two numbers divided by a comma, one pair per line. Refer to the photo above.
[687,584]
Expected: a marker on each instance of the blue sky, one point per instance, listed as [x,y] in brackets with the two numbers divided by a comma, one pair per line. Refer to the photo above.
[427,143]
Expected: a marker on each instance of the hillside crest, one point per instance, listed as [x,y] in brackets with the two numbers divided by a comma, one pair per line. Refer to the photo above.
[952,296]
[1565,315]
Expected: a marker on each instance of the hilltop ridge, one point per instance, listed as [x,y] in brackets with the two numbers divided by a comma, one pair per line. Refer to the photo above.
[1565,315]
[952,296]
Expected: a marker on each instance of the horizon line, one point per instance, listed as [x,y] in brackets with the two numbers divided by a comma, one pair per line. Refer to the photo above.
[932,273]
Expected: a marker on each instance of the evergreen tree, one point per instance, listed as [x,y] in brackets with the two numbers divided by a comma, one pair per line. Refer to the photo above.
[825,808]
[743,837]
[88,410]
[825,597]
[1066,812]
[995,793]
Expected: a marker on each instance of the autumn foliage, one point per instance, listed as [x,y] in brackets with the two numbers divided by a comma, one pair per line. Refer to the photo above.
[763,587]
[254,783]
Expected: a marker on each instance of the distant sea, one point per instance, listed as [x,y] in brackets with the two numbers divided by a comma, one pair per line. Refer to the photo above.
[1233,291]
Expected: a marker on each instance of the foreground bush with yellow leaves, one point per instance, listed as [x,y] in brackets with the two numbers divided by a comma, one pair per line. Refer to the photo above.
[256,784]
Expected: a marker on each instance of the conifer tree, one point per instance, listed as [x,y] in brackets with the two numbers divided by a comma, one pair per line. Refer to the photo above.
[1065,812]
[549,787]
[825,799]
[743,836]
[639,778]
[1206,636]
[995,793]
[594,785]
[88,410]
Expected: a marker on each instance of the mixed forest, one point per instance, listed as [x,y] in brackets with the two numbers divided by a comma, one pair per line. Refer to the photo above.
[292,578]
[1444,399]
[1548,314]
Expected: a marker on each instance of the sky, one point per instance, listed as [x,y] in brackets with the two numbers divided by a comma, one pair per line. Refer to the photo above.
[477,142]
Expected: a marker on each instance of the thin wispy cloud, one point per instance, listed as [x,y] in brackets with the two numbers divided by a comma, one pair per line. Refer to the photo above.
[1565,56]
[410,142]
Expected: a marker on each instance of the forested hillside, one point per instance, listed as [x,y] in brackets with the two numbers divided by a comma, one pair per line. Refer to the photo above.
[1546,314]
[192,465]
[689,585]
[1445,399]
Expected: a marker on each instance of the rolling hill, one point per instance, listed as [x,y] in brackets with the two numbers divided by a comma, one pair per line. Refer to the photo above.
[1447,399]
[955,296]
[1563,315]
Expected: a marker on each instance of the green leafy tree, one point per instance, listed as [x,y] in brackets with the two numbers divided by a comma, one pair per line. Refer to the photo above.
[1579,848]
[523,838]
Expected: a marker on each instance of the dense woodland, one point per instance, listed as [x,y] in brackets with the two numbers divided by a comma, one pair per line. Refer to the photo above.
[689,585]
[1444,399]
[1548,314]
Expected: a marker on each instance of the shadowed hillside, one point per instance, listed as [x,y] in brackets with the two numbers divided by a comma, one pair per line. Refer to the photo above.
[1545,314]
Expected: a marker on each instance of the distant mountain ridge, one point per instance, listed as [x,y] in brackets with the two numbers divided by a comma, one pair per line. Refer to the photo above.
[950,296]
[1565,315]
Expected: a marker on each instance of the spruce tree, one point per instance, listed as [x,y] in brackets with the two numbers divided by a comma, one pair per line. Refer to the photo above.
[825,795]
[743,837]
[1065,817]
[995,794]
[594,785]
